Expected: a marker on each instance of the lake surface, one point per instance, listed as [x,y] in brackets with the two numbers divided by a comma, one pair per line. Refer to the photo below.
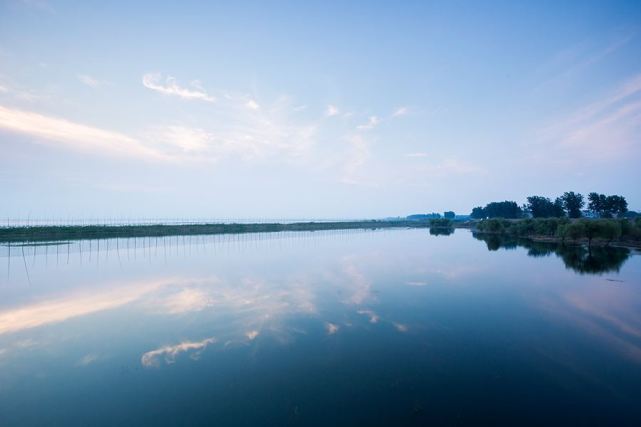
[393,327]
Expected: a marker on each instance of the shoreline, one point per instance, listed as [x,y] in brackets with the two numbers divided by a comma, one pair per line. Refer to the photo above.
[95,232]
[558,240]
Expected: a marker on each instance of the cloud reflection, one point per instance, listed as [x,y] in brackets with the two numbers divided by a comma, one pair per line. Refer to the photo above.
[81,304]
[168,353]
[331,328]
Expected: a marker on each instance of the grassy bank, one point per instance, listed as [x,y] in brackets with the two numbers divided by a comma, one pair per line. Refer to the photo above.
[623,232]
[56,233]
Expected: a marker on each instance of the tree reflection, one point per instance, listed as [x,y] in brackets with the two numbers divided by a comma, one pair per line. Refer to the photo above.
[441,231]
[579,258]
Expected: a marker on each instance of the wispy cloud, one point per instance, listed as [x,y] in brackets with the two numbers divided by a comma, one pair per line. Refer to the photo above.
[615,120]
[21,93]
[373,317]
[90,81]
[73,135]
[186,300]
[170,352]
[88,359]
[154,81]
[417,154]
[578,58]
[372,122]
[400,327]
[401,111]
[185,139]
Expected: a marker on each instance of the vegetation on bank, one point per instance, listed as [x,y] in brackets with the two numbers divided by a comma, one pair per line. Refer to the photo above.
[603,231]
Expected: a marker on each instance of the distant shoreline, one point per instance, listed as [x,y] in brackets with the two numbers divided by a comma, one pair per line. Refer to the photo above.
[88,232]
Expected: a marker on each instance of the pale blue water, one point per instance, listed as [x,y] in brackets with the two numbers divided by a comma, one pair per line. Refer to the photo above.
[394,327]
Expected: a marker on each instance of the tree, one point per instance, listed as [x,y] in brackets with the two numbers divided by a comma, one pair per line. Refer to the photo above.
[538,206]
[449,215]
[542,207]
[572,203]
[478,213]
[557,209]
[607,206]
[616,205]
[595,203]
[506,209]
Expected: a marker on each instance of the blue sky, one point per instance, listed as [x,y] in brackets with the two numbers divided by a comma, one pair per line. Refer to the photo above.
[313,109]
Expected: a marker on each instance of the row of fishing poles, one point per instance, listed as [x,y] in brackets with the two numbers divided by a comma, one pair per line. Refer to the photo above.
[149,248]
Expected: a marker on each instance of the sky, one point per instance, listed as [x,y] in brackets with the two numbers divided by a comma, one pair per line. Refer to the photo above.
[313,109]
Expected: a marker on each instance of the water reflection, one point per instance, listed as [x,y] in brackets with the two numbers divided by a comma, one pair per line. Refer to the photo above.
[441,231]
[597,260]
[415,330]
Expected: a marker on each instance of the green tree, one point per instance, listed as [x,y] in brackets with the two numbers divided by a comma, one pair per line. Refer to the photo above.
[538,206]
[542,207]
[596,203]
[506,209]
[572,203]
[449,215]
[617,205]
[478,213]
[558,211]
[607,206]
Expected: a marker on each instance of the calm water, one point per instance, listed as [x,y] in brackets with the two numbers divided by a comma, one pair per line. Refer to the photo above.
[396,327]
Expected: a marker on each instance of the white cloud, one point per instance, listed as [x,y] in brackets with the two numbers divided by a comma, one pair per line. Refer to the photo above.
[3,89]
[401,111]
[358,286]
[331,111]
[90,81]
[169,352]
[372,122]
[251,335]
[418,154]
[170,87]
[74,135]
[252,105]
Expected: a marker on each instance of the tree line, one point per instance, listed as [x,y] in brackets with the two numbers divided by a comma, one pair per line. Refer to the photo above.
[568,205]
